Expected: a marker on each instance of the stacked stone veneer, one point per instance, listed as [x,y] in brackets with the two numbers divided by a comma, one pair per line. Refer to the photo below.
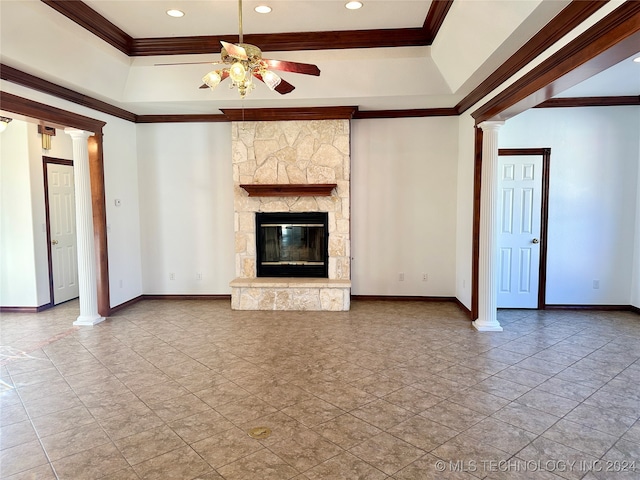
[291,152]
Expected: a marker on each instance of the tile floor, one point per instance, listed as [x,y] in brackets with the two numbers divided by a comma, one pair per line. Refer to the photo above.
[395,390]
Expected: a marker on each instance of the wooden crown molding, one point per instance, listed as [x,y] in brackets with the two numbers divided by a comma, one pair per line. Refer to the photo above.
[86,17]
[569,18]
[611,40]
[418,112]
[47,113]
[275,114]
[19,77]
[618,101]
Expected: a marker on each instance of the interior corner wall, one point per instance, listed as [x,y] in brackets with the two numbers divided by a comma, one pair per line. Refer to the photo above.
[464,213]
[593,198]
[635,281]
[403,201]
[186,208]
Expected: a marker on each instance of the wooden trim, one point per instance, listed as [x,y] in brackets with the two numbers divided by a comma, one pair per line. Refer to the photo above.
[29,108]
[176,118]
[475,247]
[569,18]
[163,296]
[47,217]
[545,153]
[462,307]
[296,113]
[89,19]
[39,309]
[634,309]
[282,42]
[18,77]
[435,18]
[98,205]
[610,41]
[126,304]
[421,112]
[86,17]
[606,308]
[47,113]
[289,190]
[619,101]
[401,298]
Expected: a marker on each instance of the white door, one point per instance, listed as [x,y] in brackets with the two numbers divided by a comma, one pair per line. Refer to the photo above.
[519,216]
[62,216]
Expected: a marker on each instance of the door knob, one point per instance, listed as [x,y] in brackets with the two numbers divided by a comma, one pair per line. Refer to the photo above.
[54,242]
[535,240]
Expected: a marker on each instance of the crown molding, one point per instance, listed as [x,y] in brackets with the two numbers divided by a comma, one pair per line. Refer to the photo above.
[611,40]
[569,18]
[86,17]
[276,114]
[614,101]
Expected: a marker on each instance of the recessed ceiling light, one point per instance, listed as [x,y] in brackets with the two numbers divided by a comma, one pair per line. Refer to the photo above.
[354,5]
[263,9]
[175,13]
[637,59]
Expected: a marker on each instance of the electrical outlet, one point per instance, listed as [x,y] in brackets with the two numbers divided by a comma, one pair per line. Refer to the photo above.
[401,276]
[425,277]
[596,284]
[120,283]
[198,276]
[172,276]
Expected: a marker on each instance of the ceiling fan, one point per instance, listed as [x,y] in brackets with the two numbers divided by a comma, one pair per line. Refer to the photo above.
[243,62]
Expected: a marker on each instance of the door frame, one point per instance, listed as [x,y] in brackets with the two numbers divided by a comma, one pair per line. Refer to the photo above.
[47,219]
[545,153]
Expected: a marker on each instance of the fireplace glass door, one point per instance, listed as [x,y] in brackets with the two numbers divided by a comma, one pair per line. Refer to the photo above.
[292,244]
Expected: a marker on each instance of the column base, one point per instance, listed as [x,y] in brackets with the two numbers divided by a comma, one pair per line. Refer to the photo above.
[491,327]
[88,320]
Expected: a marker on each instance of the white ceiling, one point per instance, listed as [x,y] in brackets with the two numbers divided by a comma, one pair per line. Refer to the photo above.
[476,37]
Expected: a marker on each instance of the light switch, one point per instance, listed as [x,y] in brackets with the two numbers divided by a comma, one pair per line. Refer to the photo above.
[117,202]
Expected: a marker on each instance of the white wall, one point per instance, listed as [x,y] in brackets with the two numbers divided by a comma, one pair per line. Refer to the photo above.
[635,281]
[593,198]
[121,181]
[24,268]
[186,207]
[403,197]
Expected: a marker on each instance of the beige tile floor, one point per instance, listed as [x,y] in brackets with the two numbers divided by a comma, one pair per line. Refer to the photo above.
[395,390]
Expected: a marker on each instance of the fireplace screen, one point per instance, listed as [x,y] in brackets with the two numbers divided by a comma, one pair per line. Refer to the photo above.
[292,244]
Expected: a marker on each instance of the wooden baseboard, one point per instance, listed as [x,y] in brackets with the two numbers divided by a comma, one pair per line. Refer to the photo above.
[401,298]
[126,304]
[41,308]
[609,308]
[184,297]
[634,309]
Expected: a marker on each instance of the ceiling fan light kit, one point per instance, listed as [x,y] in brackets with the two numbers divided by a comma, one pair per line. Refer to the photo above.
[244,62]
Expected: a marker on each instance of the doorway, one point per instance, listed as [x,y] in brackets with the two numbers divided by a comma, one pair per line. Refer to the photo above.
[523,201]
[61,230]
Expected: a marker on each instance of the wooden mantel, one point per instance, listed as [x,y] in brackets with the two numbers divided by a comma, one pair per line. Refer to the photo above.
[289,190]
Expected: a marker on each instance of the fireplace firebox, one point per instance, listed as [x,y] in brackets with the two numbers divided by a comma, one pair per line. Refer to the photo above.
[292,244]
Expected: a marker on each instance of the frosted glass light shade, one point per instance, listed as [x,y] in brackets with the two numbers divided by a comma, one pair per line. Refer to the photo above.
[271,79]
[237,72]
[212,79]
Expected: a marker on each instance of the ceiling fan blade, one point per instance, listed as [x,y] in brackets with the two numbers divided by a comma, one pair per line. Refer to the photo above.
[295,67]
[235,51]
[282,88]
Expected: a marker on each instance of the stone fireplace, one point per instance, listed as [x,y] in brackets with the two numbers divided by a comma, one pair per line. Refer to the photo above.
[279,167]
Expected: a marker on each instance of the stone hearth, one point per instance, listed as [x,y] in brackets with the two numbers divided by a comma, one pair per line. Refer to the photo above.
[285,153]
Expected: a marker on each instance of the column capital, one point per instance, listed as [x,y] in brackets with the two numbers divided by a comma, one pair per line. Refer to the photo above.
[490,125]
[77,133]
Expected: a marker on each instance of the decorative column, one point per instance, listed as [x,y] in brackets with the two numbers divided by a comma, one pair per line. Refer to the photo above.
[487,280]
[84,230]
